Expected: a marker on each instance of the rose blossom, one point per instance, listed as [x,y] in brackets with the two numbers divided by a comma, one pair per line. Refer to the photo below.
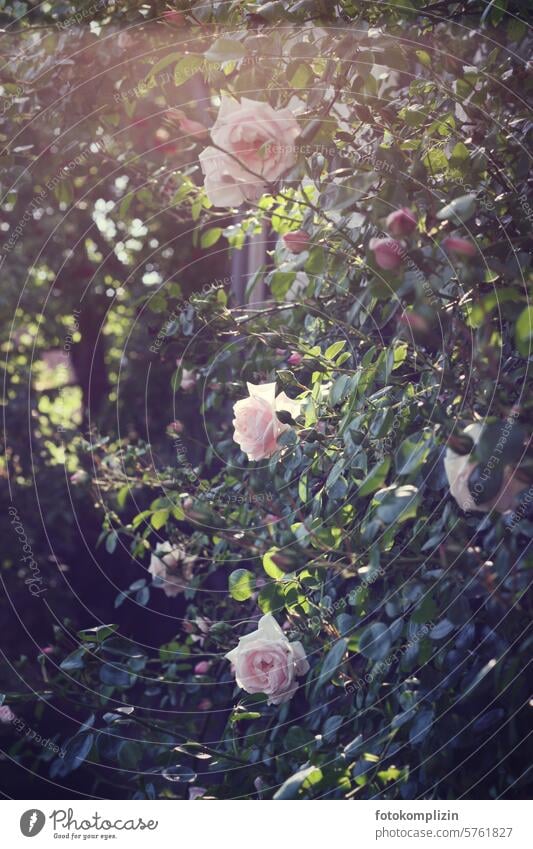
[6,714]
[297,241]
[295,359]
[266,662]
[387,252]
[202,668]
[463,247]
[401,222]
[176,426]
[256,424]
[174,17]
[172,566]
[188,378]
[188,125]
[459,467]
[78,477]
[255,145]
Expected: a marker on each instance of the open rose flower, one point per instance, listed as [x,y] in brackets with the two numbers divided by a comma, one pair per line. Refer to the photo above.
[387,253]
[6,714]
[255,145]
[401,222]
[459,467]
[266,662]
[172,568]
[256,424]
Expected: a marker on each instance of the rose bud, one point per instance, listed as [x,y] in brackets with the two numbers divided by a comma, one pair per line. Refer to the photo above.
[173,17]
[202,668]
[176,427]
[387,253]
[78,477]
[192,128]
[401,222]
[415,322]
[205,704]
[295,359]
[462,247]
[297,241]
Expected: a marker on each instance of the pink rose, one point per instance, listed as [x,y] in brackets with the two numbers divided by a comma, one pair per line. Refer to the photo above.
[174,17]
[387,253]
[205,704]
[297,241]
[401,222]
[255,145]
[188,378]
[172,567]
[459,467]
[266,662]
[295,359]
[455,245]
[202,668]
[176,427]
[257,427]
[6,714]
[190,127]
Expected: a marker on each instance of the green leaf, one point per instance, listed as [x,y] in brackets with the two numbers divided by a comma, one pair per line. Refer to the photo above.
[271,599]
[423,57]
[210,237]
[335,473]
[524,331]
[161,65]
[291,786]
[179,773]
[270,566]
[421,726]
[413,452]
[460,209]
[111,542]
[375,641]
[115,676]
[98,634]
[225,50]
[375,478]
[159,518]
[75,660]
[241,584]
[331,352]
[396,503]
[331,662]
[280,283]
[338,390]
[77,750]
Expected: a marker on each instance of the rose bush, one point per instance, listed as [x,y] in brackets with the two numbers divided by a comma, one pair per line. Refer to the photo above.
[318,539]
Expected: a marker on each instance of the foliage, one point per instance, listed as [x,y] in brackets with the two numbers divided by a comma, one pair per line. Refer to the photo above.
[413,614]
